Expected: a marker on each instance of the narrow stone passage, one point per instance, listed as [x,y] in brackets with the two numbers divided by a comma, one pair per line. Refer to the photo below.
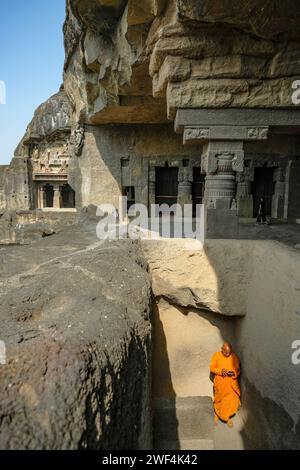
[203,298]
[226,438]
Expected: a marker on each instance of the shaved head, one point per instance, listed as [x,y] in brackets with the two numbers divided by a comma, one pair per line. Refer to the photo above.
[226,349]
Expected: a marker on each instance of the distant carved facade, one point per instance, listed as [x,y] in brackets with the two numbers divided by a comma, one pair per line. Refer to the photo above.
[37,177]
[49,163]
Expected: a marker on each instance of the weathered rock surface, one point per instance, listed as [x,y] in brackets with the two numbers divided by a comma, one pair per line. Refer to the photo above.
[178,53]
[50,117]
[24,227]
[186,277]
[75,319]
[15,189]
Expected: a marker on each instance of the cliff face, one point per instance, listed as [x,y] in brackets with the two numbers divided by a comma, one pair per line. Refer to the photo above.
[133,62]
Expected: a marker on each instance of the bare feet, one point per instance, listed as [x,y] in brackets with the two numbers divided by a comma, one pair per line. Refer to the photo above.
[230,423]
[216,420]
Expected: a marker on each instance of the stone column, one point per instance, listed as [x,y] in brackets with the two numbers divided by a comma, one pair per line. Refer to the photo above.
[220,184]
[279,194]
[222,134]
[42,197]
[71,198]
[185,186]
[57,197]
[221,161]
[243,193]
[152,185]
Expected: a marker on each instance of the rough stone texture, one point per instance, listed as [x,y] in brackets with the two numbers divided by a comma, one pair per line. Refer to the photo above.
[265,340]
[75,320]
[184,53]
[24,227]
[14,185]
[51,117]
[3,173]
[265,19]
[230,93]
[221,291]
[106,60]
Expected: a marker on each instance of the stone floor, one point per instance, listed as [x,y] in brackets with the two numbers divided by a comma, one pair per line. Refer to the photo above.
[285,233]
[226,438]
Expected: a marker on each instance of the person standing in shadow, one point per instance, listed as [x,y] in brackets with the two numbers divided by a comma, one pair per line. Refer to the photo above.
[261,214]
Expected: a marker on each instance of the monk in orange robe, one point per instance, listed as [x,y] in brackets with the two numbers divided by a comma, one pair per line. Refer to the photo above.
[226,368]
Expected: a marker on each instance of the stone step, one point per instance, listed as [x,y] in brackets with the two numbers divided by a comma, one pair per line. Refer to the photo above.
[183,423]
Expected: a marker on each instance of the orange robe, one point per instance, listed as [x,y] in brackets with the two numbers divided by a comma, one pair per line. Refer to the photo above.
[226,389]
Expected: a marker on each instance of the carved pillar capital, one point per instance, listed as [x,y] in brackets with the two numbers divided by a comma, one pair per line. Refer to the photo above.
[220,162]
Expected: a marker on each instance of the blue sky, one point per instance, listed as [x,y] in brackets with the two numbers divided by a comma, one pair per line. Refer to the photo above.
[31,63]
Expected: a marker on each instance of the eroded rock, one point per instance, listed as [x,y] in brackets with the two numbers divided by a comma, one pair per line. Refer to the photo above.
[75,321]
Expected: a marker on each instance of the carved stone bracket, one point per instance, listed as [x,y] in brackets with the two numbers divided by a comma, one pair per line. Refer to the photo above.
[213,133]
[195,133]
[213,151]
[257,133]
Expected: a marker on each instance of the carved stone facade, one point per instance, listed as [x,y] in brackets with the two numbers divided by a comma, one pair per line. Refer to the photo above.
[38,176]
[236,181]
[49,163]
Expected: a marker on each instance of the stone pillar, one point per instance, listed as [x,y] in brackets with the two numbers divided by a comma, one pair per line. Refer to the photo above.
[71,198]
[42,197]
[57,197]
[222,134]
[278,199]
[221,161]
[288,170]
[152,185]
[243,193]
[221,183]
[185,186]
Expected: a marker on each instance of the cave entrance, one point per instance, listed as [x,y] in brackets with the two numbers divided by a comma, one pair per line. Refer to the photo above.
[166,191]
[129,192]
[67,197]
[49,195]
[263,186]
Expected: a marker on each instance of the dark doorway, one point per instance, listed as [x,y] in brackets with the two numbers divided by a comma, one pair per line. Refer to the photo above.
[67,197]
[198,188]
[49,195]
[129,192]
[263,186]
[294,191]
[166,185]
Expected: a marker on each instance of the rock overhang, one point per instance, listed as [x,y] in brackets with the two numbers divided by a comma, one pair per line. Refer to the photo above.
[155,57]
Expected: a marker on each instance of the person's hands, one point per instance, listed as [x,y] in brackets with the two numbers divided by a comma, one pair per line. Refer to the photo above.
[224,372]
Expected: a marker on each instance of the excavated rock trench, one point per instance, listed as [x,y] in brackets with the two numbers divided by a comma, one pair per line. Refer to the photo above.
[230,290]
[79,308]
